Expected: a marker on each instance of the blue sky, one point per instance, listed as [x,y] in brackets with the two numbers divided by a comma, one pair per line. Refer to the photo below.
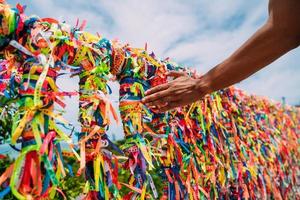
[197,33]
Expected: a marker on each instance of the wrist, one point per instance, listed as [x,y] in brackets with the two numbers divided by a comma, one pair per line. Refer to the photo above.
[203,85]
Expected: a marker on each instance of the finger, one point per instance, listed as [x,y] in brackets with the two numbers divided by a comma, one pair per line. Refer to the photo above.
[163,101]
[155,96]
[158,103]
[175,74]
[170,106]
[157,89]
[161,104]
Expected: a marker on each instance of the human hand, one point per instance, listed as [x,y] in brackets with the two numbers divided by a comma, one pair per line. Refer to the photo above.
[181,91]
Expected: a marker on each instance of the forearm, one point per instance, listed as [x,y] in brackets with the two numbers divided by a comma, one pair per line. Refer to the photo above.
[265,46]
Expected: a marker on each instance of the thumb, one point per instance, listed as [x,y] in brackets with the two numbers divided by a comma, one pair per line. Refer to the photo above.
[175,74]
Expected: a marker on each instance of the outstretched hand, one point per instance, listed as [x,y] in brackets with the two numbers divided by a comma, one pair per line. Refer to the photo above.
[181,91]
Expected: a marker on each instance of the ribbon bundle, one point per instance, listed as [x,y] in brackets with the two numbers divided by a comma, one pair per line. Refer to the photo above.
[228,145]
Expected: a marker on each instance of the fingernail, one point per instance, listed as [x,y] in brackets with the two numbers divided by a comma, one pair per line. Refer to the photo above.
[144,99]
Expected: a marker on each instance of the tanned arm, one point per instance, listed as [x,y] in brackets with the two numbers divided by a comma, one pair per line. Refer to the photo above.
[279,35]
